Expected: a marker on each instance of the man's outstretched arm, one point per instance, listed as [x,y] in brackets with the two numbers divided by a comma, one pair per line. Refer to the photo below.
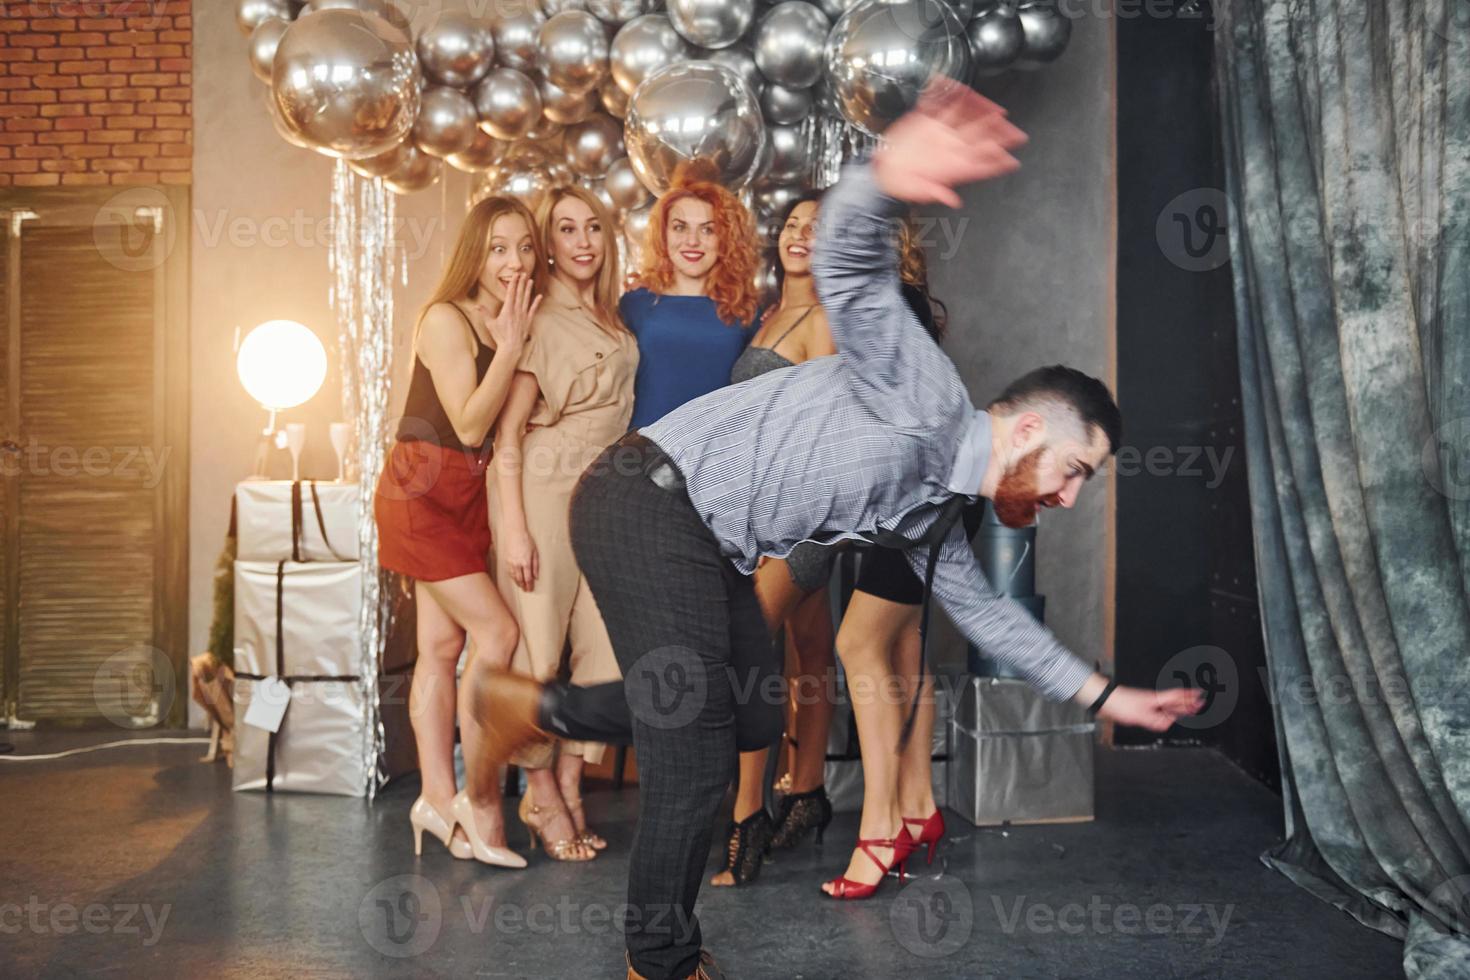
[1001,629]
[952,137]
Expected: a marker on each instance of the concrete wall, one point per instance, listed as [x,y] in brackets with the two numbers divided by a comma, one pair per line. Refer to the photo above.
[1026,273]
[1031,283]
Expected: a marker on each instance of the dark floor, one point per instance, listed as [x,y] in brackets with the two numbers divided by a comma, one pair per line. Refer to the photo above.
[141,861]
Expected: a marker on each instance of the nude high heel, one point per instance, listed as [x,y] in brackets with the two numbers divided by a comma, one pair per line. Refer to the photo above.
[423,816]
[500,857]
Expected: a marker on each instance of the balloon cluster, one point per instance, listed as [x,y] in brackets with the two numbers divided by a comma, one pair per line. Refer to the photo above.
[614,94]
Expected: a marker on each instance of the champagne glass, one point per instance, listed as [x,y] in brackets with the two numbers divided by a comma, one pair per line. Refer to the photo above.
[295,440]
[340,432]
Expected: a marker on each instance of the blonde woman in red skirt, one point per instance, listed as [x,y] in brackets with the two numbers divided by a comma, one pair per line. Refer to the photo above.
[433,518]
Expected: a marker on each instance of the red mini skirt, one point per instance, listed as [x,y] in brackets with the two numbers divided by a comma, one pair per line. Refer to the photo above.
[430,505]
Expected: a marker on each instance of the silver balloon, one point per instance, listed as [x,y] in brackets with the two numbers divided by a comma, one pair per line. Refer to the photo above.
[446,122]
[614,99]
[553,7]
[617,12]
[739,59]
[508,104]
[635,231]
[598,189]
[643,46]
[996,38]
[383,164]
[456,50]
[791,154]
[826,98]
[528,183]
[250,14]
[574,51]
[566,107]
[346,82]
[789,44]
[784,106]
[263,43]
[545,131]
[484,152]
[882,53]
[694,110]
[526,153]
[518,39]
[624,187]
[418,171]
[1047,33]
[282,130]
[593,144]
[963,9]
[835,8]
[385,9]
[711,23]
[775,198]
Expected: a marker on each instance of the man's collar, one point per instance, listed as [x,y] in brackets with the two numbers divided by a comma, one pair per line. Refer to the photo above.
[972,456]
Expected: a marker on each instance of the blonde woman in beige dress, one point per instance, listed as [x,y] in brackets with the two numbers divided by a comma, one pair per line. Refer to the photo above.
[571,398]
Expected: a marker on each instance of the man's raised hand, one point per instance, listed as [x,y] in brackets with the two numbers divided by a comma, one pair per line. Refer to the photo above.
[953,136]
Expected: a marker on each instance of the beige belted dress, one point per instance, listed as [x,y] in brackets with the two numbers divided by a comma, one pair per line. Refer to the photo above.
[586,378]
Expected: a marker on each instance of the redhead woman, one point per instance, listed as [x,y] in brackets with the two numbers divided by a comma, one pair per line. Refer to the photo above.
[695,305]
[571,398]
[430,508]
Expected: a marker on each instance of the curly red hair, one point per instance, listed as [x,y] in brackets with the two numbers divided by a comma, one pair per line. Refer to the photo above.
[732,280]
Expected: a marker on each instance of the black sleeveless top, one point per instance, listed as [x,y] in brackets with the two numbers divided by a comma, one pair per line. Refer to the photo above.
[423,413]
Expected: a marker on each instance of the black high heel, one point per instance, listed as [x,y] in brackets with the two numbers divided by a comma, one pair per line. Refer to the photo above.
[801,812]
[746,851]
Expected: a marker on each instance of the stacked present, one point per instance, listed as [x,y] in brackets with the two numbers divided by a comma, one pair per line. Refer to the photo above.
[306,719]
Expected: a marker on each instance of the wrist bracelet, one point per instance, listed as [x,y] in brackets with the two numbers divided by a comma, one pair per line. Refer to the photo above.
[1112,684]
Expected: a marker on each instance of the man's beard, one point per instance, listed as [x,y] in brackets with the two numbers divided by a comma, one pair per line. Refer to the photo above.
[1015,499]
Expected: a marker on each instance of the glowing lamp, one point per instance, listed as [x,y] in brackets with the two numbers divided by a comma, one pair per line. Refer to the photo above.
[281,363]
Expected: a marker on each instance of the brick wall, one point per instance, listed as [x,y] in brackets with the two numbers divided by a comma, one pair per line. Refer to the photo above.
[95,92]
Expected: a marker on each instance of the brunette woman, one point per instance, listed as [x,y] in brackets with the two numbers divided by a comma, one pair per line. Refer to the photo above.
[792,590]
[430,507]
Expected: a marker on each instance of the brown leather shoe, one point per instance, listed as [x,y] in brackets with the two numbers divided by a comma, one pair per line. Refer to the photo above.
[506,705]
[707,970]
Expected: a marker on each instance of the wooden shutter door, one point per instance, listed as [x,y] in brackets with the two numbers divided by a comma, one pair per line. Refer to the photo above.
[97,557]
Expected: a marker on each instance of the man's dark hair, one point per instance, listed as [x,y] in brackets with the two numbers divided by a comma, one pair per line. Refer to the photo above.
[1087,397]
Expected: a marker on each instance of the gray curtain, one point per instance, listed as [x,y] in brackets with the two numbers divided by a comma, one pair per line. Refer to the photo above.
[1347,143]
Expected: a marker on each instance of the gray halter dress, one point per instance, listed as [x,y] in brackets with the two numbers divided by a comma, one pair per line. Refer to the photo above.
[810,563]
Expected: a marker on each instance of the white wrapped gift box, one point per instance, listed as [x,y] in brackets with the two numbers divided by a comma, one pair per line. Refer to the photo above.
[272,515]
[320,747]
[320,606]
[1016,757]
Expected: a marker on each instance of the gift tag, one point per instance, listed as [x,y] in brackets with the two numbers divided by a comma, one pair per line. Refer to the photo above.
[268,704]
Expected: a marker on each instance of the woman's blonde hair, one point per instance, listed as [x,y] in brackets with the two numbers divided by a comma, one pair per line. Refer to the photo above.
[731,282]
[608,287]
[461,277]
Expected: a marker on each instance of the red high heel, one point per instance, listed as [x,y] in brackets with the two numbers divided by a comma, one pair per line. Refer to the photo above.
[931,832]
[903,845]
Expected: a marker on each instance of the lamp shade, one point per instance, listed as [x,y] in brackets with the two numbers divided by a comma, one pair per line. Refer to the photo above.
[281,363]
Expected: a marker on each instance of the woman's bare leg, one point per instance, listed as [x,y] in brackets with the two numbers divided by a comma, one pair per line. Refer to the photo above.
[915,771]
[809,630]
[870,630]
[431,701]
[473,602]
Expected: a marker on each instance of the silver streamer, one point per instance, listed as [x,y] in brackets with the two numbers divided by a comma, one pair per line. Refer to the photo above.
[362,260]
